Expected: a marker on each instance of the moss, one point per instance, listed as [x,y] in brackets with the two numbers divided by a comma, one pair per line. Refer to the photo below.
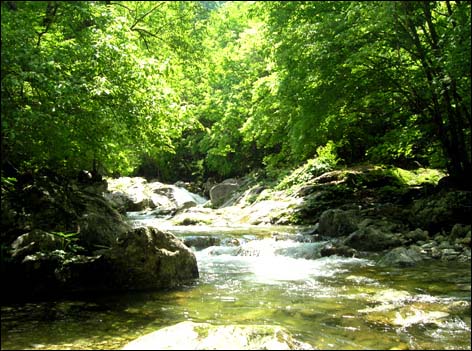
[372,179]
[418,176]
[312,168]
[388,191]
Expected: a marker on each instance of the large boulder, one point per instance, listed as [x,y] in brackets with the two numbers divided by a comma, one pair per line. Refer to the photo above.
[375,235]
[335,223]
[149,258]
[45,203]
[69,238]
[460,231]
[222,192]
[142,258]
[174,196]
[53,204]
[402,257]
[52,273]
[137,194]
[119,200]
[130,192]
[203,336]
[442,211]
[99,224]
[34,241]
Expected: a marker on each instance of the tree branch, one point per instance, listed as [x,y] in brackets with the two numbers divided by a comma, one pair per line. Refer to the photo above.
[48,19]
[139,19]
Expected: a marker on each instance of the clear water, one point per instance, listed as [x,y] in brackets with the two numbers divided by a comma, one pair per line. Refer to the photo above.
[331,303]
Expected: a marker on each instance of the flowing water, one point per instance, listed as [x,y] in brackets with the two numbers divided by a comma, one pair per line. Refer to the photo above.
[260,275]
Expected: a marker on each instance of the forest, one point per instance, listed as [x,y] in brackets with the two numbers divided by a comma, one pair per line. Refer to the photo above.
[187,90]
[236,175]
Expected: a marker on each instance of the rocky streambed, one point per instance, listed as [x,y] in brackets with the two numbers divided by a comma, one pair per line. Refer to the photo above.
[349,259]
[269,287]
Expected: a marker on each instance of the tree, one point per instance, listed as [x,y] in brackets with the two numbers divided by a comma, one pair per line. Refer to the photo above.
[437,36]
[198,89]
[233,62]
[89,81]
[385,79]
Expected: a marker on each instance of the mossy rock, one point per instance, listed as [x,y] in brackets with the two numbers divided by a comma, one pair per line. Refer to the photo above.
[441,211]
[375,178]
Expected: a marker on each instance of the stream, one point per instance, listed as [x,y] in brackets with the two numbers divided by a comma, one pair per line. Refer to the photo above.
[265,275]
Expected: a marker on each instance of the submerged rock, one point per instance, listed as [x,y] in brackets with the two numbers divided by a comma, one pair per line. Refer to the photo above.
[203,336]
[399,314]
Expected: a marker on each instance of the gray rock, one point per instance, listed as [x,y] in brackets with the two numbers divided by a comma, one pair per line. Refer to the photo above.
[203,336]
[449,254]
[99,224]
[335,223]
[142,258]
[401,257]
[465,256]
[372,238]
[445,245]
[442,210]
[34,241]
[201,242]
[417,235]
[119,201]
[149,258]
[134,190]
[222,192]
[460,231]
[337,249]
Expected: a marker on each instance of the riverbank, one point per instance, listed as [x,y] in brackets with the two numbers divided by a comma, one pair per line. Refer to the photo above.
[406,215]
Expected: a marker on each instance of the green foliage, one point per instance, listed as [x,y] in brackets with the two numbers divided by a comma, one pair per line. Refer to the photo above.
[234,63]
[190,89]
[327,154]
[85,81]
[325,161]
[69,242]
[312,168]
[372,76]
[8,184]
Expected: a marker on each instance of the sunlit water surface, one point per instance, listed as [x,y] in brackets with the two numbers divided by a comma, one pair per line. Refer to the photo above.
[331,302]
